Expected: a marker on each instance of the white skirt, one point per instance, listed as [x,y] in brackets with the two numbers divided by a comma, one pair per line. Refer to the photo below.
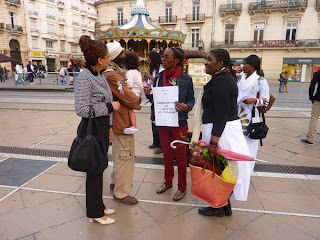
[233,139]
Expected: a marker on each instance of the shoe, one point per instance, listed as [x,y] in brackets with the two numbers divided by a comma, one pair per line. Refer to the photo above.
[179,195]
[158,151]
[128,200]
[112,185]
[319,132]
[306,141]
[109,211]
[227,209]
[130,130]
[163,188]
[101,221]
[152,146]
[212,212]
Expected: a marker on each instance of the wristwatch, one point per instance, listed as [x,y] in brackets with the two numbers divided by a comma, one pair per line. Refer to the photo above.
[213,143]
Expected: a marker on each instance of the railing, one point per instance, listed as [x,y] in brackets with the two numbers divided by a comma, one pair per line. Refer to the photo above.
[195,17]
[277,5]
[32,12]
[268,44]
[82,11]
[168,19]
[94,15]
[84,25]
[74,8]
[16,28]
[34,30]
[49,16]
[193,47]
[61,19]
[62,35]
[1,26]
[75,23]
[15,2]
[116,23]
[230,8]
[50,1]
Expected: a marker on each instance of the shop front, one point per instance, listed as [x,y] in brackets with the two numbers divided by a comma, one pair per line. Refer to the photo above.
[37,57]
[64,60]
[301,69]
[51,62]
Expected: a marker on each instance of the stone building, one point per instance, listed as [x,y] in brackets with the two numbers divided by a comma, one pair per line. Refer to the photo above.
[284,33]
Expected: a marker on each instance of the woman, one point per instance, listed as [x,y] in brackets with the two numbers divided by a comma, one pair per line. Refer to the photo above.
[174,75]
[91,88]
[221,124]
[253,92]
[154,61]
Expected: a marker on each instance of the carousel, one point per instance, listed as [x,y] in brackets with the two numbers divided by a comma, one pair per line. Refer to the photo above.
[140,35]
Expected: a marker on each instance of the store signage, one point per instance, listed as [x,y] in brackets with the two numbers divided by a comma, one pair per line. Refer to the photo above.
[275,43]
[63,56]
[36,54]
[301,60]
[52,55]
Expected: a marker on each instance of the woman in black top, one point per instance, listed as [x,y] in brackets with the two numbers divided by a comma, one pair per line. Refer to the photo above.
[221,124]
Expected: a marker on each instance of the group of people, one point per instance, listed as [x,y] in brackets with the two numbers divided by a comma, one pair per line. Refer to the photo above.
[114,94]
[4,74]
[31,71]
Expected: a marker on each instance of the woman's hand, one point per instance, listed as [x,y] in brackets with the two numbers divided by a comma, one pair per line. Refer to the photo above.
[250,101]
[148,75]
[110,135]
[115,105]
[238,69]
[147,90]
[212,150]
[182,107]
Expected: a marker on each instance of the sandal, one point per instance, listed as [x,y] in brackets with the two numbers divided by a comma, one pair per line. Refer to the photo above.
[179,195]
[163,188]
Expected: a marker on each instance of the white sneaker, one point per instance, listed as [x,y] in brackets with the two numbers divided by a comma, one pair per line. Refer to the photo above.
[130,130]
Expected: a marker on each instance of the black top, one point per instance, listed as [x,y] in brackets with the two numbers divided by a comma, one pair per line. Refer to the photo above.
[314,81]
[219,102]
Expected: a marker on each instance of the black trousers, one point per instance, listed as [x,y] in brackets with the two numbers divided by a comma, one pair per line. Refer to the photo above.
[155,135]
[94,182]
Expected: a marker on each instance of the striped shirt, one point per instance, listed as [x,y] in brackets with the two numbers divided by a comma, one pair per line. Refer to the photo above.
[93,89]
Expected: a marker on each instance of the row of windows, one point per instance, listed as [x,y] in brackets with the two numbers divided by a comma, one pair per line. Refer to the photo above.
[51,28]
[50,45]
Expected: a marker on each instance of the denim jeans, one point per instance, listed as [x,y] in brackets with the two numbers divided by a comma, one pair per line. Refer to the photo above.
[19,79]
[63,79]
[281,86]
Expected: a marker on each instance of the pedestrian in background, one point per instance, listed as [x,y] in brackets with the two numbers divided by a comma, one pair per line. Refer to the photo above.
[30,72]
[88,93]
[283,78]
[151,78]
[19,72]
[63,73]
[315,113]
[1,73]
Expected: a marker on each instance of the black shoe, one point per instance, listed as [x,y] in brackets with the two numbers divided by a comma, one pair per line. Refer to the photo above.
[112,187]
[152,146]
[158,151]
[209,211]
[227,209]
[306,141]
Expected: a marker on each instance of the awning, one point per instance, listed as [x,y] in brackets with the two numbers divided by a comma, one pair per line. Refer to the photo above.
[74,60]
[4,58]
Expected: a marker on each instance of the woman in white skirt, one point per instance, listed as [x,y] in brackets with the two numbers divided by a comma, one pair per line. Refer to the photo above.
[221,124]
[253,92]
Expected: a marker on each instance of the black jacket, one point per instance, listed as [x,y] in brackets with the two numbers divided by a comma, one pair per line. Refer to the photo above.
[219,102]
[314,81]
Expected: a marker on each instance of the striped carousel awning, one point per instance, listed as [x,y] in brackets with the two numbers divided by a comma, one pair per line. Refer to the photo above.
[140,18]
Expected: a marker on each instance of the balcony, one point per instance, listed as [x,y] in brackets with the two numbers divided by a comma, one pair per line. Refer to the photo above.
[92,15]
[168,20]
[52,17]
[60,4]
[49,36]
[71,40]
[74,8]
[33,14]
[83,12]
[193,47]
[303,43]
[90,2]
[61,21]
[15,28]
[318,5]
[91,29]
[195,18]
[97,25]
[230,9]
[75,23]
[84,26]
[62,36]
[269,6]
[34,32]
[13,2]
[116,23]
[50,1]
[1,26]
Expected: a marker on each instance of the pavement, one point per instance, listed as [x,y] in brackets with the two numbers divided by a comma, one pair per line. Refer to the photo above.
[41,198]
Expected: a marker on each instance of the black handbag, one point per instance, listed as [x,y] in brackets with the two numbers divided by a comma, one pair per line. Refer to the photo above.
[257,130]
[86,153]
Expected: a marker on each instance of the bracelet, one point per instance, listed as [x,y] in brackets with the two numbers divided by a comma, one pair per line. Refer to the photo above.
[213,143]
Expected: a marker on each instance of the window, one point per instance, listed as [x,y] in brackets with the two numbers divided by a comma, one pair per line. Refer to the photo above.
[60,14]
[61,29]
[49,44]
[168,12]
[291,30]
[120,16]
[75,33]
[83,20]
[32,6]
[51,28]
[50,11]
[231,1]
[33,25]
[62,47]
[74,48]
[34,43]
[229,34]
[83,32]
[195,38]
[12,19]
[258,32]
[195,11]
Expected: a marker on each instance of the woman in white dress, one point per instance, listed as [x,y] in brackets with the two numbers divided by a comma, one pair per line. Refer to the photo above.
[253,92]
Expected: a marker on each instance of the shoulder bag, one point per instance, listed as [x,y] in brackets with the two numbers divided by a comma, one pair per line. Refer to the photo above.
[86,154]
[257,130]
[272,99]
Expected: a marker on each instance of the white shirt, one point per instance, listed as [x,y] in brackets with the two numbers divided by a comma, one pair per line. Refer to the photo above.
[19,69]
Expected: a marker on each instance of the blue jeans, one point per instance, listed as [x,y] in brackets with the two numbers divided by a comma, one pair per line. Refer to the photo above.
[19,79]
[281,86]
[63,79]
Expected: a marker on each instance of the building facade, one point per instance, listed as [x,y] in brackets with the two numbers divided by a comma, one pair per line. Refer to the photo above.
[54,28]
[13,37]
[284,33]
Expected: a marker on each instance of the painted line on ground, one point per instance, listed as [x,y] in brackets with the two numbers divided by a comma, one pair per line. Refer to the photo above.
[184,204]
[53,136]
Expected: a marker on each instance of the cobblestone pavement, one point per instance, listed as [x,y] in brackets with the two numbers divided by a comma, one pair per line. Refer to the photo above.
[41,198]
